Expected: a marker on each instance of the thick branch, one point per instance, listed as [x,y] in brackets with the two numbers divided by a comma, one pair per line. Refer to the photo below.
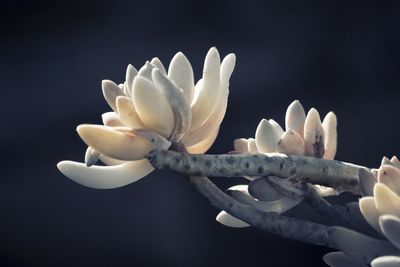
[339,175]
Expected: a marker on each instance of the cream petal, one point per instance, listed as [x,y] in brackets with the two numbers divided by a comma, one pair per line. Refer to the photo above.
[146,70]
[395,162]
[157,62]
[278,129]
[367,182]
[127,113]
[111,161]
[105,177]
[385,161]
[291,143]
[386,261]
[390,176]
[375,172]
[110,93]
[313,135]
[131,73]
[152,107]
[390,226]
[111,119]
[339,259]
[228,220]
[176,99]
[266,137]
[91,156]
[204,145]
[252,146]
[386,201]
[369,211]
[206,91]
[295,117]
[241,145]
[158,141]
[181,72]
[329,125]
[113,143]
[227,67]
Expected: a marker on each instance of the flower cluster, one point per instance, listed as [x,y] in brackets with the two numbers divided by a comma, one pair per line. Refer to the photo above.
[304,135]
[152,109]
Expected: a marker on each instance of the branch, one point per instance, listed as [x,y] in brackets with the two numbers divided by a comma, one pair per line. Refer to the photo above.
[339,175]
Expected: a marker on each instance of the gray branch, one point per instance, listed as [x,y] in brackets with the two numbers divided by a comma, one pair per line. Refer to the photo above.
[339,175]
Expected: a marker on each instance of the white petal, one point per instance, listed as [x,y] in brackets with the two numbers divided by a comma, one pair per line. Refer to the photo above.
[206,92]
[204,145]
[252,146]
[152,107]
[390,176]
[278,129]
[127,113]
[146,70]
[131,73]
[395,162]
[105,177]
[369,211]
[241,145]
[390,226]
[110,93]
[386,261]
[181,72]
[291,143]
[330,124]
[313,135]
[266,137]
[113,143]
[157,62]
[111,161]
[230,221]
[295,117]
[227,67]
[339,259]
[386,201]
[111,119]
[91,156]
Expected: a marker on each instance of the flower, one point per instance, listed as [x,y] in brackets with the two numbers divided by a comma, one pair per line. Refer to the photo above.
[304,135]
[151,109]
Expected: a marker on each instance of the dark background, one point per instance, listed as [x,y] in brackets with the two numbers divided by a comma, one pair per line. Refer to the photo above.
[332,55]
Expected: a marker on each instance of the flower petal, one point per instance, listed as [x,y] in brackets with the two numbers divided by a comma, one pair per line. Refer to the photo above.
[206,91]
[386,201]
[240,145]
[204,145]
[127,113]
[339,259]
[291,143]
[146,70]
[110,93]
[227,67]
[266,137]
[113,143]
[369,211]
[386,261]
[111,119]
[313,135]
[390,226]
[131,73]
[157,62]
[180,71]
[395,162]
[111,161]
[295,117]
[390,176]
[105,177]
[152,107]
[367,182]
[252,146]
[91,156]
[228,220]
[330,124]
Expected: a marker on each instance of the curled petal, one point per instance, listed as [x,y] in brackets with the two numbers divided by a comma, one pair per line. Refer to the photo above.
[252,146]
[291,143]
[111,119]
[386,201]
[180,71]
[176,99]
[127,113]
[390,226]
[240,145]
[295,117]
[204,145]
[369,211]
[390,176]
[206,90]
[228,220]
[386,261]
[329,125]
[105,177]
[91,156]
[266,137]
[313,135]
[152,107]
[110,93]
[114,143]
[157,62]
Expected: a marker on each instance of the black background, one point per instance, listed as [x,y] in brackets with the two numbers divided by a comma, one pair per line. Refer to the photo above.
[332,55]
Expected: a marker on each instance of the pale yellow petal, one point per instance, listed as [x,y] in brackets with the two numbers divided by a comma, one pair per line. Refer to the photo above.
[204,145]
[390,176]
[266,137]
[111,119]
[386,201]
[181,72]
[291,143]
[329,125]
[127,113]
[369,211]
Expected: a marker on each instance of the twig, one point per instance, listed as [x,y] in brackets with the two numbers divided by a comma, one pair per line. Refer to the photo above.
[339,175]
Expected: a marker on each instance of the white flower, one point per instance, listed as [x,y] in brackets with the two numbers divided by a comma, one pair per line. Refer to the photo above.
[304,135]
[149,108]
